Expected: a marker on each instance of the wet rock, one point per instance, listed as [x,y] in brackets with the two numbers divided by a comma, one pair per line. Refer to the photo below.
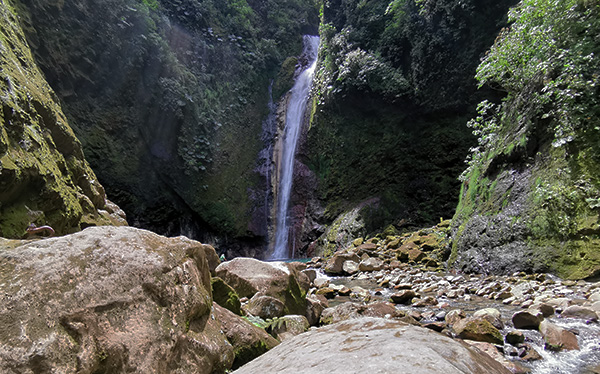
[321,282]
[264,306]
[371,264]
[410,349]
[556,338]
[289,326]
[576,311]
[492,351]
[109,299]
[478,329]
[350,267]
[547,310]
[515,337]
[527,319]
[435,326]
[403,297]
[248,341]
[530,354]
[492,315]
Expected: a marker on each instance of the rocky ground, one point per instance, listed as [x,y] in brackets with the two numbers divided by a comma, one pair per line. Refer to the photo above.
[528,322]
[126,300]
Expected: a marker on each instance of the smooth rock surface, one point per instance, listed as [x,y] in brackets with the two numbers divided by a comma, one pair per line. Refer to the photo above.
[372,345]
[108,300]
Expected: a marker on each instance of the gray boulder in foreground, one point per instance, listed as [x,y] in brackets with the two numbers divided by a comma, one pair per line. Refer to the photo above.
[108,300]
[372,345]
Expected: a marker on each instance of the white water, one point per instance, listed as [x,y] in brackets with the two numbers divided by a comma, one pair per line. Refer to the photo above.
[293,123]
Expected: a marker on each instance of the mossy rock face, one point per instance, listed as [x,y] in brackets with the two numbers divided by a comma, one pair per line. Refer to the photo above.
[44,178]
[169,102]
[225,295]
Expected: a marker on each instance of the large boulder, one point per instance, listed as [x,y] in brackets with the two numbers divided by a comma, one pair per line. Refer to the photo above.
[248,341]
[372,345]
[108,299]
[276,279]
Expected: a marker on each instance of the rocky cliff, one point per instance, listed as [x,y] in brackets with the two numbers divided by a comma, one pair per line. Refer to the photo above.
[530,197]
[44,178]
[393,92]
[168,98]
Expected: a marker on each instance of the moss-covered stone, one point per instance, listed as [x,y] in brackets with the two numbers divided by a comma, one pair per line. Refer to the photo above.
[44,178]
[225,295]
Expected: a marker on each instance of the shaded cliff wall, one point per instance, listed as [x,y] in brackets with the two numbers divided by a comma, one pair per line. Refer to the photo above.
[44,178]
[530,197]
[394,90]
[168,98]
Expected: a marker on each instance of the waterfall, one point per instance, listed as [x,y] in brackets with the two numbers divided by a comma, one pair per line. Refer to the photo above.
[293,123]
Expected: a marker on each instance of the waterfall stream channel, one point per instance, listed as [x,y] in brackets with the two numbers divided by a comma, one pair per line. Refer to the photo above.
[293,124]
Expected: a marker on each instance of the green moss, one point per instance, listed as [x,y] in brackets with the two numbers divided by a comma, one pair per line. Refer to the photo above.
[248,353]
[225,295]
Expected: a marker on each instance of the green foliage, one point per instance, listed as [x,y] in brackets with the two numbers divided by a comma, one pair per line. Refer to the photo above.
[550,54]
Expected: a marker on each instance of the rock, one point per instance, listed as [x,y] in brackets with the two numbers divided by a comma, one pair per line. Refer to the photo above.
[527,319]
[556,338]
[311,274]
[435,326]
[264,306]
[371,264]
[426,301]
[350,267]
[321,282]
[342,312]
[492,315]
[530,354]
[415,255]
[328,292]
[546,309]
[276,279]
[212,258]
[576,311]
[454,316]
[382,310]
[492,351]
[372,345]
[248,341]
[289,326]
[314,308]
[109,299]
[335,265]
[225,295]
[515,337]
[478,329]
[403,297]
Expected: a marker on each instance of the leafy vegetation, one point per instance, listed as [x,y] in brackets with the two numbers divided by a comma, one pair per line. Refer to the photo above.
[544,133]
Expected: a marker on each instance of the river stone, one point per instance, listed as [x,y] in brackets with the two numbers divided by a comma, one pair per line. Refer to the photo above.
[287,327]
[492,315]
[248,341]
[478,329]
[577,311]
[515,337]
[264,306]
[108,299]
[276,279]
[342,312]
[403,296]
[372,345]
[371,264]
[527,319]
[335,265]
[556,338]
[350,267]
[493,352]
[314,308]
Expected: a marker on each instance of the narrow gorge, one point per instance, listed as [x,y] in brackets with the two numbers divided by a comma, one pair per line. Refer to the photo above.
[188,184]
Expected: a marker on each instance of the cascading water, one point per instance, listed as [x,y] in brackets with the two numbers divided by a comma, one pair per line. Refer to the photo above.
[293,123]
